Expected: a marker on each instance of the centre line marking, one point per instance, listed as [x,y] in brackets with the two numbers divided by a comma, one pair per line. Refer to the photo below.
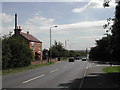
[33,78]
[86,71]
[54,70]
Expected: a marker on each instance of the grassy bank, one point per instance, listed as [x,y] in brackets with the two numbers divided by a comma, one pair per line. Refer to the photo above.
[15,70]
[112,69]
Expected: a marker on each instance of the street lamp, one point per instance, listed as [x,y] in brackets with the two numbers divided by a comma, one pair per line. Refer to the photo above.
[50,42]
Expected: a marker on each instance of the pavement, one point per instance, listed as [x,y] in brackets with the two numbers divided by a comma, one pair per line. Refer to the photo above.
[96,78]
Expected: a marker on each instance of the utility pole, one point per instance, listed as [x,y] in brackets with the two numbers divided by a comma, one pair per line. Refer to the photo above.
[66,43]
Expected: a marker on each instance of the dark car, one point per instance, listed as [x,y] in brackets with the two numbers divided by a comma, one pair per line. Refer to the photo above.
[71,59]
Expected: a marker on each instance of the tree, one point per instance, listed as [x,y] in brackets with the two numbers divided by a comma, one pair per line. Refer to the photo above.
[0,53]
[15,52]
[6,53]
[45,54]
[115,43]
[112,43]
[57,50]
[101,51]
[106,3]
[115,40]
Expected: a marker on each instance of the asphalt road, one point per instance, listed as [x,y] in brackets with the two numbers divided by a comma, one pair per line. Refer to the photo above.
[60,75]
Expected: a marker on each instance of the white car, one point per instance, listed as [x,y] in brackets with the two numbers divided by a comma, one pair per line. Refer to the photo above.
[84,59]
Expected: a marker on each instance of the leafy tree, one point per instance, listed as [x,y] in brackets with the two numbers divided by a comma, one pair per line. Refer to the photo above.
[0,54]
[110,44]
[101,52]
[106,3]
[115,43]
[115,40]
[16,53]
[45,54]
[6,53]
[57,50]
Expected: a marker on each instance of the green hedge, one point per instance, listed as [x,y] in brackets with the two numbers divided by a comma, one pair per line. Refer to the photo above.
[15,53]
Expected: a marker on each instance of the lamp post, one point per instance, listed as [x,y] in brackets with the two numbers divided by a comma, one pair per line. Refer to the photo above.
[50,42]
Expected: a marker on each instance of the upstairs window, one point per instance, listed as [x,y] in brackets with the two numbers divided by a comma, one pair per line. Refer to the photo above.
[39,46]
[32,45]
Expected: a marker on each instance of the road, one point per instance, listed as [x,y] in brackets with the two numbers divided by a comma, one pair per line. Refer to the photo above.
[63,74]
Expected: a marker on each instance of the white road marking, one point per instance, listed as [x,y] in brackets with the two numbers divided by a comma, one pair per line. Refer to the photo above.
[84,75]
[86,71]
[115,65]
[54,70]
[102,65]
[33,78]
[107,65]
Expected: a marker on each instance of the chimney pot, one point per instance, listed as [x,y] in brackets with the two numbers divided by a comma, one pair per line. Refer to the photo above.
[19,27]
[27,32]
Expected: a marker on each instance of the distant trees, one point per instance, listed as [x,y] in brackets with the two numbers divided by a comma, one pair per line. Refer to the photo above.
[77,53]
[109,47]
[15,52]
[58,51]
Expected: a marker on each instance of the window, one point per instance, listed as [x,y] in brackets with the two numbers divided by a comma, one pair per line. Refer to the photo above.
[32,45]
[39,47]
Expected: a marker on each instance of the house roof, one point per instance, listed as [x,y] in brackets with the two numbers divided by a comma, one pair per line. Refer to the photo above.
[30,37]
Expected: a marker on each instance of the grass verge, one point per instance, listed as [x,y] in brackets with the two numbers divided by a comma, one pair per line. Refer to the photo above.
[111,69]
[15,70]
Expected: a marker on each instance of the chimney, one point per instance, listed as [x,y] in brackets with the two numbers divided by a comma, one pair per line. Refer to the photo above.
[17,29]
[15,21]
[27,32]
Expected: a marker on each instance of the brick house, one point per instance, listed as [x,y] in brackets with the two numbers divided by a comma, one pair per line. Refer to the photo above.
[33,42]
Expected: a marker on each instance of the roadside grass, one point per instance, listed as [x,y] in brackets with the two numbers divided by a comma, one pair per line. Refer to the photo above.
[0,73]
[112,69]
[15,70]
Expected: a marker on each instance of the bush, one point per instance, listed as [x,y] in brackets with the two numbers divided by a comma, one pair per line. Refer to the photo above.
[15,53]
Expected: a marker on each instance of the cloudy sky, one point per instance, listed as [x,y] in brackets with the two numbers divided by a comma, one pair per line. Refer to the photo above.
[79,23]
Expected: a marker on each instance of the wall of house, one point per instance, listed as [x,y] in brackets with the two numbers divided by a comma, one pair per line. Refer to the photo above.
[36,47]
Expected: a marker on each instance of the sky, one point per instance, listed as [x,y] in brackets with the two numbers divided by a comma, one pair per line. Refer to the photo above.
[79,23]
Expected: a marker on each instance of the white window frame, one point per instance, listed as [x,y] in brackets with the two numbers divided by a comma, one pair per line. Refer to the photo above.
[39,46]
[32,45]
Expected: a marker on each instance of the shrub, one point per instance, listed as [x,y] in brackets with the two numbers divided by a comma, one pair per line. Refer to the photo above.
[15,53]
